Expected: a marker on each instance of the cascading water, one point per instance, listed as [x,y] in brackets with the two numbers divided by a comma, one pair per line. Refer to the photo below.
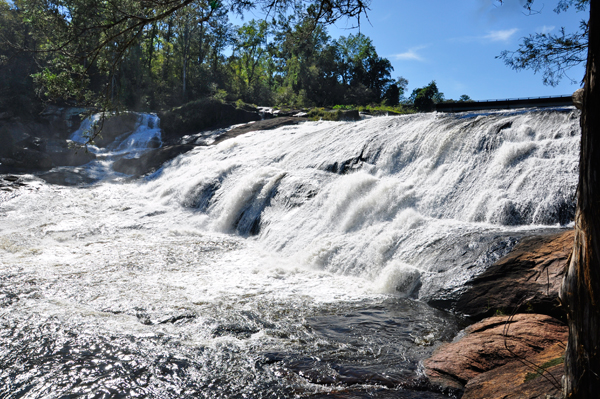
[289,263]
[144,135]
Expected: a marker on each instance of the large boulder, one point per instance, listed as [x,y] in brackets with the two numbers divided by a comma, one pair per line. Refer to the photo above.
[150,161]
[527,279]
[30,159]
[201,115]
[267,124]
[71,156]
[114,126]
[539,377]
[492,343]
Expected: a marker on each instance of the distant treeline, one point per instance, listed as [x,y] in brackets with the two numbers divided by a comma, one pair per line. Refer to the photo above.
[196,52]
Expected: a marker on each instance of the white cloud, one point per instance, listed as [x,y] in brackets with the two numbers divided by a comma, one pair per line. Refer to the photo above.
[501,35]
[410,55]
[545,29]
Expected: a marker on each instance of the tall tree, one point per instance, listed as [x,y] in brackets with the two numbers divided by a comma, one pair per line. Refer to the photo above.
[425,98]
[581,286]
[580,291]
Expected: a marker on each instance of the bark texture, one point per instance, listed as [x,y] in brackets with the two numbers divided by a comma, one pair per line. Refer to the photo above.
[581,286]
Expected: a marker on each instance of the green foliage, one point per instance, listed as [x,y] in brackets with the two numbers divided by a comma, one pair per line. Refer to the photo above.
[220,95]
[17,93]
[553,55]
[425,98]
[317,114]
[161,54]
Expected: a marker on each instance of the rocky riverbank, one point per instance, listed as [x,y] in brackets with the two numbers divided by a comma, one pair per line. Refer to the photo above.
[518,351]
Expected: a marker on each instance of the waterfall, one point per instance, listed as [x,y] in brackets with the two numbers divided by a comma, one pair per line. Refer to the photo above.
[373,198]
[294,262]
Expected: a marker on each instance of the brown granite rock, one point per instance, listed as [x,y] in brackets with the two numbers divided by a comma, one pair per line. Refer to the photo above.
[536,377]
[529,277]
[492,343]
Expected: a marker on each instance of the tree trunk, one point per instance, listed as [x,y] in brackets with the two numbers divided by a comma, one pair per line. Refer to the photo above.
[581,286]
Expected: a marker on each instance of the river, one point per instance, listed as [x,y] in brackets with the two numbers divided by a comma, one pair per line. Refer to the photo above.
[291,263]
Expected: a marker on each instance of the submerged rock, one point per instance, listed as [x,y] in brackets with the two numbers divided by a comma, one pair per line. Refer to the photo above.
[490,344]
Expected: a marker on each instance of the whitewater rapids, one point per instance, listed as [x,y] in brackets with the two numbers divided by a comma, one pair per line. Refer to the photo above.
[287,263]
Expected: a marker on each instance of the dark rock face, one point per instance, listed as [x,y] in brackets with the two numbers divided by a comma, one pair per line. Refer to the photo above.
[528,278]
[40,144]
[267,124]
[71,157]
[201,115]
[490,344]
[150,161]
[351,115]
[31,159]
[114,127]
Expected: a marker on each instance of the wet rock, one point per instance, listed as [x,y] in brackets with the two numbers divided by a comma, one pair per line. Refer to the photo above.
[151,160]
[267,124]
[201,115]
[33,143]
[66,178]
[350,115]
[528,278]
[283,113]
[490,344]
[536,378]
[26,158]
[64,155]
[114,127]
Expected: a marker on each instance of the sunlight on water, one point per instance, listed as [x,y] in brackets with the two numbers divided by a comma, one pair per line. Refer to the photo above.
[284,263]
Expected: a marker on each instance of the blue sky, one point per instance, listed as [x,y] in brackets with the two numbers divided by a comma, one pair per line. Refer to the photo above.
[455,43]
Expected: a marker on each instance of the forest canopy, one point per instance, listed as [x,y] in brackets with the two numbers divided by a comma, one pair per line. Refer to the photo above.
[158,54]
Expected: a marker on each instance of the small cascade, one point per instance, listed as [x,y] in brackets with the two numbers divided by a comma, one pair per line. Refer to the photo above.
[146,134]
[143,135]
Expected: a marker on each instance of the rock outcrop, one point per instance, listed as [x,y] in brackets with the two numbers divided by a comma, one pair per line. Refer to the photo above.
[201,115]
[499,346]
[267,124]
[538,377]
[151,160]
[40,144]
[115,126]
[527,278]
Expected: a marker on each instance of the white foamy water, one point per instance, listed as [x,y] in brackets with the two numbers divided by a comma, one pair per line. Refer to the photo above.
[251,264]
[146,133]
